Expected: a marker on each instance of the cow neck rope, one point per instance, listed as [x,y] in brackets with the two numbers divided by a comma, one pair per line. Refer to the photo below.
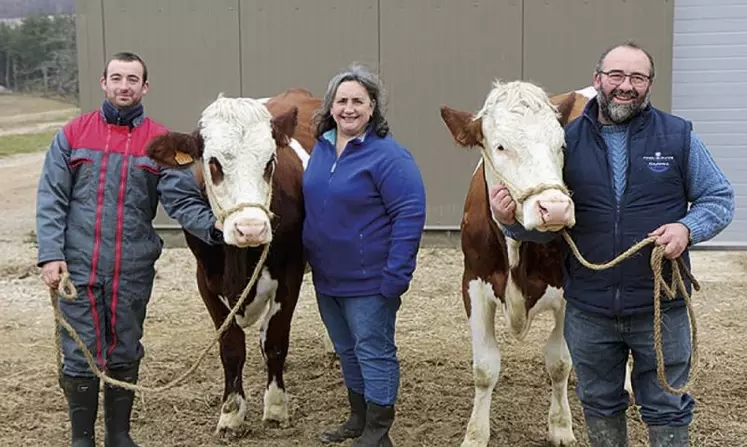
[66,290]
[656,262]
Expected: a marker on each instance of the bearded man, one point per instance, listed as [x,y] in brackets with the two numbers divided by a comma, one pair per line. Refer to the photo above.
[635,171]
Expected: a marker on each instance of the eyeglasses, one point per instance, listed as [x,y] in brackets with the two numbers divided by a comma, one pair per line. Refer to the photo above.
[617,77]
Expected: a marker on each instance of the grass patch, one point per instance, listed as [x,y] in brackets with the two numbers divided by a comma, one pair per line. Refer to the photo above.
[25,143]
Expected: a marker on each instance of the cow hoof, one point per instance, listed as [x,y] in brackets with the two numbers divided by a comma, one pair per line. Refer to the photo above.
[276,405]
[232,414]
[272,424]
[474,443]
[230,434]
[562,437]
[275,415]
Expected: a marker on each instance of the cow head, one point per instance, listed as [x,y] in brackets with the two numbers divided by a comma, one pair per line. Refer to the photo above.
[521,134]
[234,148]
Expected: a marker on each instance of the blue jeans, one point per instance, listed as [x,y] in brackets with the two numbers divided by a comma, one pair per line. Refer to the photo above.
[362,332]
[599,347]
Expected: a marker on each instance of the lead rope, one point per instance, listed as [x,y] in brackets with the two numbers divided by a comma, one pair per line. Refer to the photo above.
[63,291]
[66,290]
[657,266]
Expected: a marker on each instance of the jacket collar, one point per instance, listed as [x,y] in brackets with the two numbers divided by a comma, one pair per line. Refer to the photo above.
[331,136]
[131,117]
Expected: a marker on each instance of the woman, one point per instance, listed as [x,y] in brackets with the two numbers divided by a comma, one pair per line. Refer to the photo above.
[365,212]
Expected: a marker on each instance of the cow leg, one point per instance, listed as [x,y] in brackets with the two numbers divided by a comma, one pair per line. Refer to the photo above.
[628,381]
[558,364]
[486,360]
[232,355]
[274,341]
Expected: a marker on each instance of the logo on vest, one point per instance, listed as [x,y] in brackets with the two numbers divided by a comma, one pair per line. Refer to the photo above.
[658,163]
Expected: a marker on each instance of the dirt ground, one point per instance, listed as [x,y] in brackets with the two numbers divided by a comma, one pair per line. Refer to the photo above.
[16,107]
[434,348]
[29,114]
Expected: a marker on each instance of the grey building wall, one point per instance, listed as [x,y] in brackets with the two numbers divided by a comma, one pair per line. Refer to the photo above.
[709,87]
[428,53]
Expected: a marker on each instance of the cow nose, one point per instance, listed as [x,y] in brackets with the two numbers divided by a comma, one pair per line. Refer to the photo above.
[251,229]
[555,213]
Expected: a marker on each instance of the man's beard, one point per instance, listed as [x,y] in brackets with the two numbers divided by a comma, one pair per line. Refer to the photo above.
[622,113]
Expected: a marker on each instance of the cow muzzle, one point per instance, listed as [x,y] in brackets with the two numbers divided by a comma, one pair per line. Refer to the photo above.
[550,210]
[248,232]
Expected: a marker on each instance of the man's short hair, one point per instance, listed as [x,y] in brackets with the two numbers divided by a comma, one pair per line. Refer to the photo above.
[628,44]
[126,56]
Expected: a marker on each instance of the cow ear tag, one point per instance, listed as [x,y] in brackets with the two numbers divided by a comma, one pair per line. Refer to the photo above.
[183,158]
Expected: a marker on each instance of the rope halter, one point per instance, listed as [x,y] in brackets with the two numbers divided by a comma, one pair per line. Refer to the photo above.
[519,195]
[222,214]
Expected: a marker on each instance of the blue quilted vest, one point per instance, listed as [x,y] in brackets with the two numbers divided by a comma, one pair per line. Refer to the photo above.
[658,148]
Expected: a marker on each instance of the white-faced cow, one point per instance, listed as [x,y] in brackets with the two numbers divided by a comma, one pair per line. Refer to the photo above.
[521,130]
[249,150]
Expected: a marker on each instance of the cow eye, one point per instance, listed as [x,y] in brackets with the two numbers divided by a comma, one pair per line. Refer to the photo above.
[216,171]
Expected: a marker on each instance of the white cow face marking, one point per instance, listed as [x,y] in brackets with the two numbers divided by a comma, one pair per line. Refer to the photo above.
[525,141]
[521,133]
[240,140]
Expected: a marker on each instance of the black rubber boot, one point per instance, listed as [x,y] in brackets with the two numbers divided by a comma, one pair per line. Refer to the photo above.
[82,394]
[378,422]
[353,427]
[608,432]
[668,436]
[118,408]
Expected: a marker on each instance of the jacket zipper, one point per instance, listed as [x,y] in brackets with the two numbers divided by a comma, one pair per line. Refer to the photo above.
[337,158]
[124,172]
[618,306]
[622,201]
[329,180]
[331,173]
[617,303]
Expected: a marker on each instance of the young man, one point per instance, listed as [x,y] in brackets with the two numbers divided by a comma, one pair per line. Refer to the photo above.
[97,197]
[634,171]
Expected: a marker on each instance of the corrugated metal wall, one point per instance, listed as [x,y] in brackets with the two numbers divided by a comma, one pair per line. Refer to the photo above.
[709,86]
[428,53]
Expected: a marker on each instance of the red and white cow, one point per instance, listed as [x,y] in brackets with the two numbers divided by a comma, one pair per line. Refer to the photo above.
[249,150]
[521,130]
